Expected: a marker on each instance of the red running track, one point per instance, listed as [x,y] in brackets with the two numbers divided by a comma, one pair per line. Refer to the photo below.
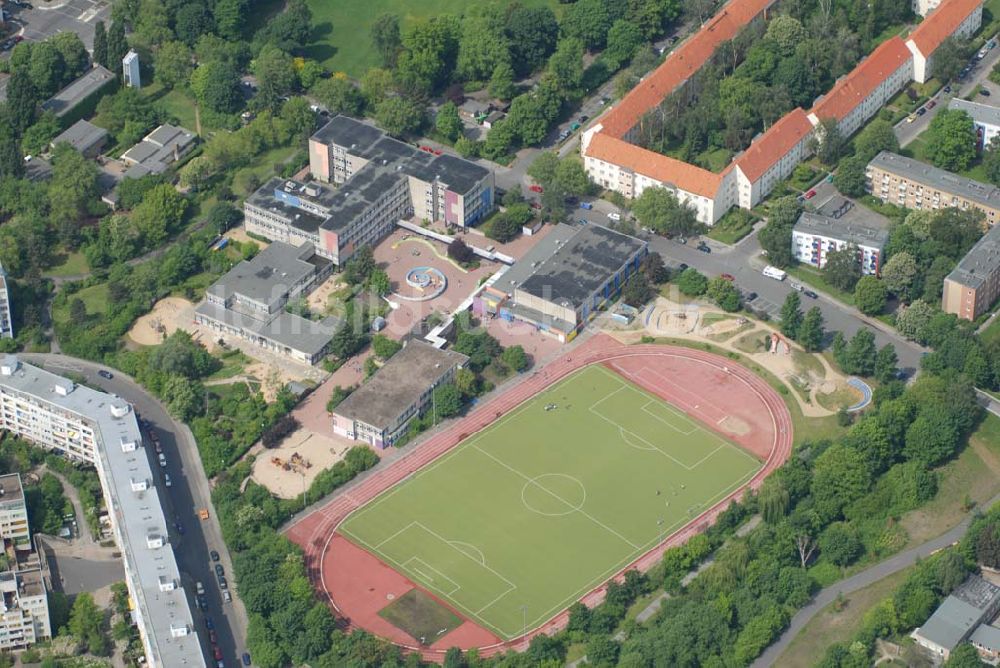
[699,383]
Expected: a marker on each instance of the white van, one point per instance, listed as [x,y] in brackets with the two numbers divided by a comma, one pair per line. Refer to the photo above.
[614,215]
[775,273]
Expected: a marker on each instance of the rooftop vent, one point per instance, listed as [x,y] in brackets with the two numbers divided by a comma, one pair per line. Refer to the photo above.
[63,387]
[9,366]
[138,485]
[179,630]
[128,445]
[167,584]
[154,541]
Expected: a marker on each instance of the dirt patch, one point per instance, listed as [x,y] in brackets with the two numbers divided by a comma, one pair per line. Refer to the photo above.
[320,297]
[733,425]
[420,616]
[168,315]
[240,234]
[293,466]
[843,396]
[272,378]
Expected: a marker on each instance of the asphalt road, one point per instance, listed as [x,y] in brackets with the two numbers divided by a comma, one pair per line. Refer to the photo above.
[907,132]
[189,492]
[48,18]
[859,581]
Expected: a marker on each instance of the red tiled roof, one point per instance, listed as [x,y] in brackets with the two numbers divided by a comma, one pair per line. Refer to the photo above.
[665,169]
[942,23]
[852,89]
[681,64]
[774,144]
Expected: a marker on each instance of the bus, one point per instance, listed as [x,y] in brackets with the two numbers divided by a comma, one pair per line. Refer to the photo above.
[775,273]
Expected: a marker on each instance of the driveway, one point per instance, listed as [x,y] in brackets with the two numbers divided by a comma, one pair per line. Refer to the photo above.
[189,492]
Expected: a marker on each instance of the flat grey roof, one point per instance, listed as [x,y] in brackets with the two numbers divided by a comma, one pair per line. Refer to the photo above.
[10,485]
[156,150]
[79,90]
[986,636]
[82,136]
[264,198]
[267,277]
[578,267]
[981,113]
[139,514]
[928,175]
[287,329]
[398,385]
[960,612]
[980,262]
[373,144]
[525,266]
[843,219]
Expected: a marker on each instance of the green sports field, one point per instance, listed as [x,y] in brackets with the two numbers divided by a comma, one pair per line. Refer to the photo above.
[525,517]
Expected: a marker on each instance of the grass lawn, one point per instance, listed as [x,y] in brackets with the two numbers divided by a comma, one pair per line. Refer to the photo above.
[531,513]
[814,278]
[917,149]
[992,332]
[262,168]
[421,616]
[95,298]
[732,227]
[73,264]
[972,476]
[342,33]
[832,625]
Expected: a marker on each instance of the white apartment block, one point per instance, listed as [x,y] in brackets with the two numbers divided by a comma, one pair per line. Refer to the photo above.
[959,18]
[24,608]
[6,317]
[91,426]
[838,224]
[985,118]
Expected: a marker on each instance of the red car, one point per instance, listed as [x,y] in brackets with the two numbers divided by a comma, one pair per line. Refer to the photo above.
[536,189]
[931,104]
[217,653]
[427,149]
[729,277]
[810,194]
[536,205]
[438,152]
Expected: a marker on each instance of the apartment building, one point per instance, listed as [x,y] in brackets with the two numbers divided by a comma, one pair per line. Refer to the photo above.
[925,7]
[838,224]
[974,285]
[858,96]
[564,280]
[24,608]
[6,316]
[381,181]
[249,301]
[985,118]
[13,511]
[913,184]
[959,18]
[380,411]
[101,429]
[614,161]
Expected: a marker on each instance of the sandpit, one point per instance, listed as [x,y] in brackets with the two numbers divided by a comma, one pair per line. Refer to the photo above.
[317,452]
[240,234]
[168,315]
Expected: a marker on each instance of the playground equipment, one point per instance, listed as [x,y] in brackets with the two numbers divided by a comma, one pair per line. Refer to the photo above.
[296,463]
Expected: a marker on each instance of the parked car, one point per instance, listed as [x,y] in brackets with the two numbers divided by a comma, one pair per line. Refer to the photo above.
[750,296]
[704,248]
[583,119]
[586,206]
[105,374]
[202,602]
[227,597]
[166,479]
[535,188]
[214,555]
[199,588]
[219,570]
[179,527]
[682,267]
[728,277]
[810,194]
[947,89]
[614,215]
[223,585]
[246,658]
[212,637]
[163,460]
[909,119]
[932,104]
[810,294]
[921,111]
[209,624]
[984,92]
[217,653]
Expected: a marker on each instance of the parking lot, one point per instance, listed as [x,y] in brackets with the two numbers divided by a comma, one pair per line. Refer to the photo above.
[46,19]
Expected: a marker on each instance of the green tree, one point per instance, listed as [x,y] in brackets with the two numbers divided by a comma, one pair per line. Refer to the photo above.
[378,282]
[877,136]
[566,65]
[910,320]
[100,43]
[659,210]
[514,358]
[991,160]
[830,142]
[430,49]
[447,122]
[637,291]
[275,72]
[624,38]
[860,353]
[773,500]
[840,477]
[399,116]
[839,544]
[899,274]
[47,68]
[117,45]
[791,315]
[192,21]
[587,21]
[447,401]
[572,177]
[786,32]
[810,332]
[533,33]
[22,100]
[339,95]
[949,58]
[386,37]
[776,237]
[850,176]
[502,81]
[885,364]
[483,44]
[724,293]
[215,85]
[692,283]
[870,295]
[384,347]
[230,16]
[951,140]
[84,618]
[172,64]
[161,212]
[842,269]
